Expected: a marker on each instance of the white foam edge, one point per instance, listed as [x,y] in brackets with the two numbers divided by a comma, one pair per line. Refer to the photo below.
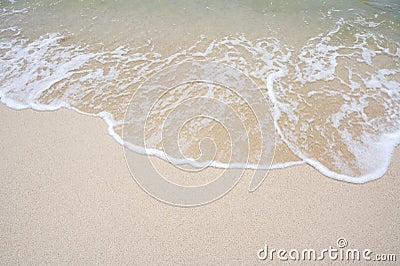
[108,118]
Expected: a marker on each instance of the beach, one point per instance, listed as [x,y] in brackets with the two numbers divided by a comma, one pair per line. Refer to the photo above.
[67,197]
[306,92]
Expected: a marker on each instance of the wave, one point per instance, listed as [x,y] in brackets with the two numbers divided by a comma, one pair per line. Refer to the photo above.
[335,102]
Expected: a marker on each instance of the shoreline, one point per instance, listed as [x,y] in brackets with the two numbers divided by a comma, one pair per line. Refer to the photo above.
[67,197]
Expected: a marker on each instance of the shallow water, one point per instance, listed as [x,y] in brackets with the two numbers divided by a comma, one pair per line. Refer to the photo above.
[330,71]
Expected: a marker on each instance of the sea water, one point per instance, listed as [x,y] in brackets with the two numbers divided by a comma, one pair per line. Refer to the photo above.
[330,71]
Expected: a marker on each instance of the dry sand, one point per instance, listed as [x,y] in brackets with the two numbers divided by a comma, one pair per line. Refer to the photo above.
[67,198]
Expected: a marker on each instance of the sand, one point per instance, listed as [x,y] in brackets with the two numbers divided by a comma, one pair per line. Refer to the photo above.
[66,197]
